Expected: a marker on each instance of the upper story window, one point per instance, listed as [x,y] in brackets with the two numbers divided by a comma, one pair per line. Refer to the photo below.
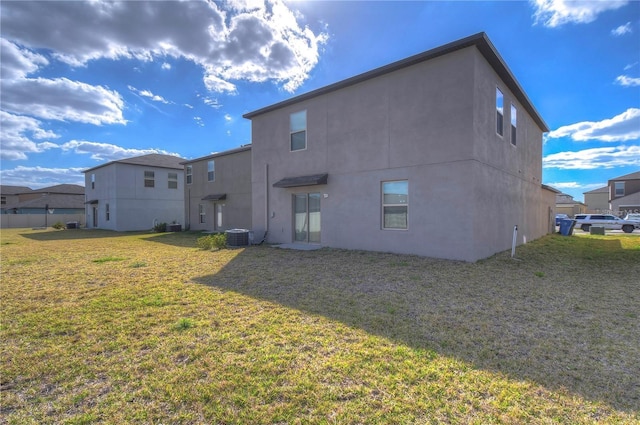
[298,131]
[514,124]
[211,170]
[395,204]
[3,200]
[173,181]
[618,189]
[107,212]
[93,181]
[189,174]
[499,112]
[149,179]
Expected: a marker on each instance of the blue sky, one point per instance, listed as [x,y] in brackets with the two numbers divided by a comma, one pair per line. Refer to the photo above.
[86,83]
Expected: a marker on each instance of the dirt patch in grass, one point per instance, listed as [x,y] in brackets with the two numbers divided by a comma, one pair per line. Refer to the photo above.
[173,334]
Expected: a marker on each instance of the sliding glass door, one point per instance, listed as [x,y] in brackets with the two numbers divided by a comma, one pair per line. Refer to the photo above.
[306,220]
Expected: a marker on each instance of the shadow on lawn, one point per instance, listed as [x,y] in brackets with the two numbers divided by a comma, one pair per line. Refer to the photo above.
[548,318]
[71,234]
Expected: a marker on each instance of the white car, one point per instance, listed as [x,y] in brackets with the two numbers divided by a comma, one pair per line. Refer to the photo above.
[608,221]
[635,217]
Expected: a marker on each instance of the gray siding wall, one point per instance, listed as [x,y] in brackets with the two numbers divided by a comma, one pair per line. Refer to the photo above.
[233,178]
[423,123]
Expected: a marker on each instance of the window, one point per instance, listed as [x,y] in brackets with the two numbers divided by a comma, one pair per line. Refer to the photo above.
[189,174]
[3,200]
[93,181]
[618,188]
[211,171]
[173,180]
[201,212]
[499,111]
[149,179]
[107,213]
[514,122]
[298,131]
[395,204]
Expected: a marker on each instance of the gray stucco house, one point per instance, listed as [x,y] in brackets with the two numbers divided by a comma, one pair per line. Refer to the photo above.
[135,193]
[217,191]
[439,155]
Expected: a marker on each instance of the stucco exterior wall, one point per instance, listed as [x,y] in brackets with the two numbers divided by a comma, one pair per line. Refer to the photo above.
[132,206]
[433,124]
[232,178]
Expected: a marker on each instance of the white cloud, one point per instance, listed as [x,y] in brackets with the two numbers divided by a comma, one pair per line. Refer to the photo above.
[588,159]
[149,95]
[106,151]
[214,103]
[37,177]
[16,62]
[17,136]
[199,121]
[228,118]
[63,100]
[236,40]
[626,81]
[554,13]
[166,66]
[620,128]
[622,30]
[574,185]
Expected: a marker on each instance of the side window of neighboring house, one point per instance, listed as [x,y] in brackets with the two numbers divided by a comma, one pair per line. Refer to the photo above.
[3,200]
[107,213]
[93,181]
[149,179]
[499,112]
[514,124]
[201,213]
[189,174]
[211,171]
[173,181]
[298,131]
[395,204]
[619,188]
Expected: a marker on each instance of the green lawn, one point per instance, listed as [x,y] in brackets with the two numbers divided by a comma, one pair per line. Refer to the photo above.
[110,327]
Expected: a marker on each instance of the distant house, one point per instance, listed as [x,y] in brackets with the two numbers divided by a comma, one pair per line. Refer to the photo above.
[10,195]
[565,204]
[597,200]
[24,207]
[217,192]
[439,155]
[135,193]
[624,193]
[59,199]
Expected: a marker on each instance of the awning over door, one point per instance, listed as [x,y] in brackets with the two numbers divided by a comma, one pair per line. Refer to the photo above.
[92,202]
[215,197]
[311,180]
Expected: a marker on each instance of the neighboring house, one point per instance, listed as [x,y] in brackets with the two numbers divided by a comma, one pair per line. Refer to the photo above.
[135,193]
[565,204]
[437,155]
[10,195]
[597,200]
[624,193]
[217,192]
[42,207]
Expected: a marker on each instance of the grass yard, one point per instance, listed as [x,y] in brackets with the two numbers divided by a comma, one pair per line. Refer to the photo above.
[116,328]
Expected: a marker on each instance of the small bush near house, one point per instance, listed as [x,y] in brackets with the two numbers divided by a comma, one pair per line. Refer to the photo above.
[59,225]
[217,241]
[160,228]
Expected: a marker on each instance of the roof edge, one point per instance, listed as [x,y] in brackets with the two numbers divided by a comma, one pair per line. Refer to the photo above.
[480,40]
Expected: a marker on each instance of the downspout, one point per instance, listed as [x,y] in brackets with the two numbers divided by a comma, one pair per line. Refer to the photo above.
[266,198]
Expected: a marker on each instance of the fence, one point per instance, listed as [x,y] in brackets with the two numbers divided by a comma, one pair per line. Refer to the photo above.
[13,221]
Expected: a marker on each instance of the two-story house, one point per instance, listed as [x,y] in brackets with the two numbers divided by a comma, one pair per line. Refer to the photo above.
[217,192]
[597,200]
[439,155]
[624,193]
[135,193]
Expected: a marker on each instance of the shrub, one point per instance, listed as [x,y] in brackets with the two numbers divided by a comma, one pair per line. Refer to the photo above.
[59,225]
[160,227]
[217,241]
